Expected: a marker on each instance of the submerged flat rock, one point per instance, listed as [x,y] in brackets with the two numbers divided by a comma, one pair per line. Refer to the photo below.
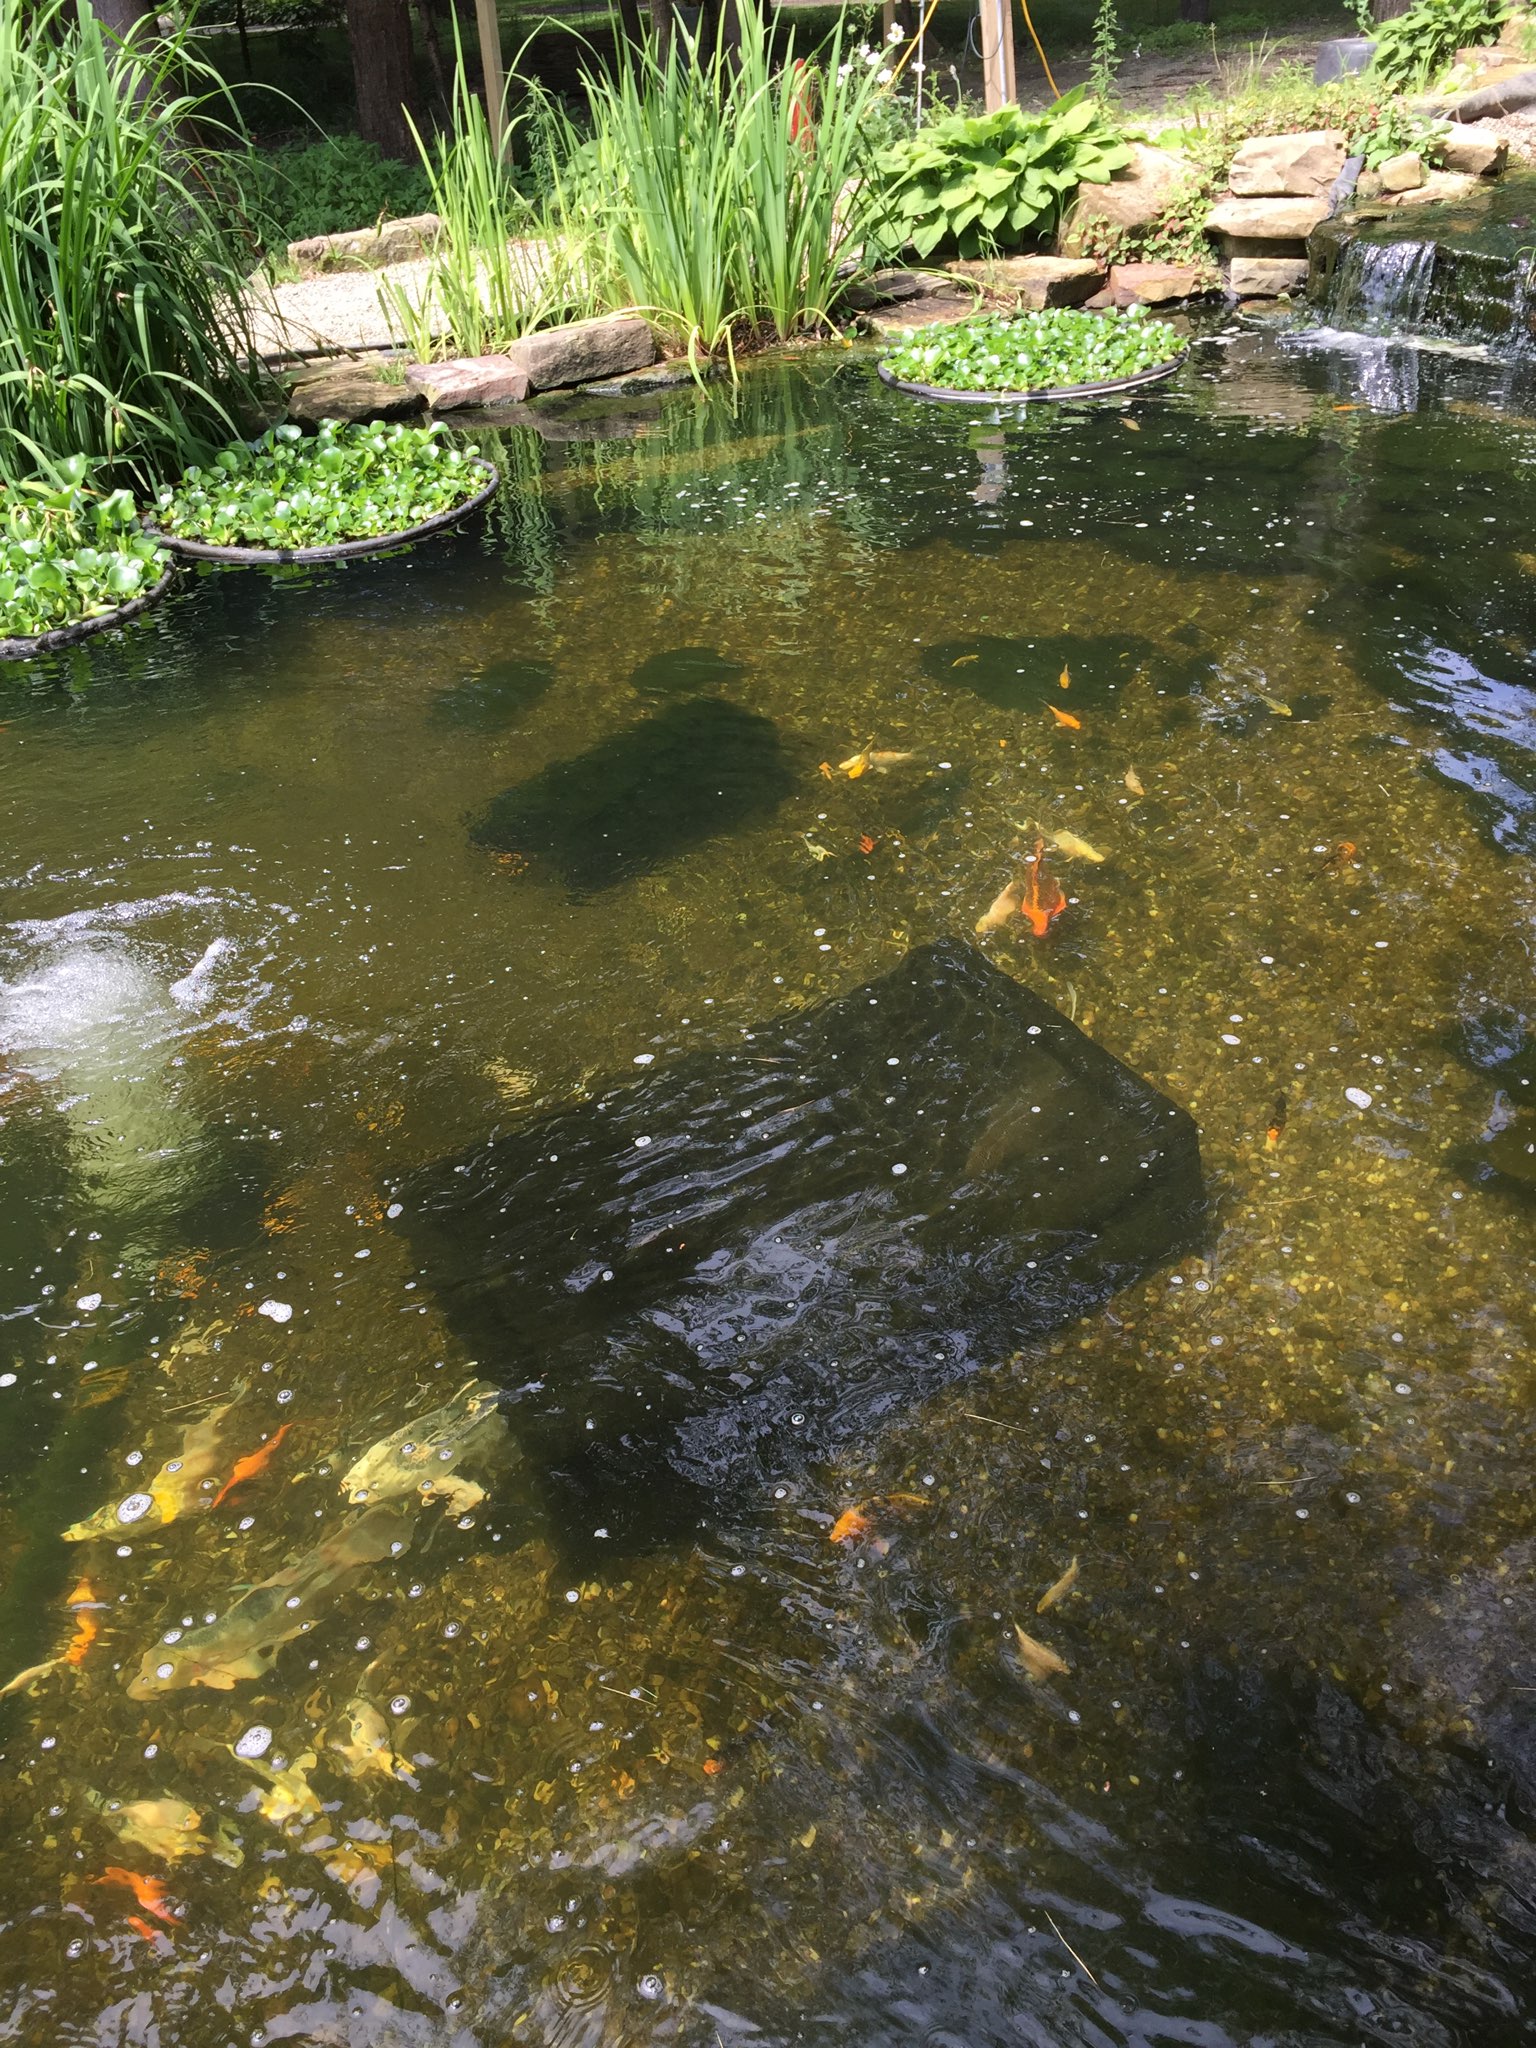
[753,1256]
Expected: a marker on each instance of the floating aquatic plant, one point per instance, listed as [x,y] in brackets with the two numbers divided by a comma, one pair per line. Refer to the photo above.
[68,553]
[1049,351]
[345,483]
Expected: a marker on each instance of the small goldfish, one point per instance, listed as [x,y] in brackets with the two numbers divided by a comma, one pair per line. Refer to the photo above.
[149,1892]
[1277,705]
[252,1463]
[1043,901]
[1133,425]
[960,660]
[866,844]
[1038,1659]
[851,1526]
[84,1606]
[1065,718]
[1276,1127]
[1002,907]
[1133,783]
[1065,678]
[167,1828]
[1342,856]
[1075,847]
[857,1525]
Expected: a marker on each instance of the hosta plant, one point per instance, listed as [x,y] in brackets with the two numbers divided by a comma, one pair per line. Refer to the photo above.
[1048,351]
[289,490]
[68,553]
[974,183]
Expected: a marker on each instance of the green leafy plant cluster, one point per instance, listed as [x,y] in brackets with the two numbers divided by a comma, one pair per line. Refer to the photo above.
[121,334]
[973,183]
[344,483]
[1392,128]
[1047,351]
[1414,48]
[321,188]
[69,553]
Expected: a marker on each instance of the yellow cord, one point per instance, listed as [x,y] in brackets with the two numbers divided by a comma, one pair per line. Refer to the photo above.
[900,64]
[1029,24]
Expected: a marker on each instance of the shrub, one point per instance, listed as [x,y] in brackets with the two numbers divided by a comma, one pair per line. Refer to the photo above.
[346,483]
[978,182]
[69,553]
[322,188]
[1049,351]
[121,334]
[1414,48]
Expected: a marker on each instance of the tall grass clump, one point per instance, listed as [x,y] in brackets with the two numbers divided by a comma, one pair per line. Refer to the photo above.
[491,278]
[121,335]
[728,191]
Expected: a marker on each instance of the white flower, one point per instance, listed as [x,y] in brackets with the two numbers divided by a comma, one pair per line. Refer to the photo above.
[885,74]
[870,56]
[843,71]
[894,33]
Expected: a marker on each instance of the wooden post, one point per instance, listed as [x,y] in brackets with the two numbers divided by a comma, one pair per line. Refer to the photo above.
[995,26]
[491,67]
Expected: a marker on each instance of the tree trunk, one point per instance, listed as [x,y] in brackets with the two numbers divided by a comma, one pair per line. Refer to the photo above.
[661,26]
[631,22]
[1389,10]
[383,72]
[1194,10]
[120,15]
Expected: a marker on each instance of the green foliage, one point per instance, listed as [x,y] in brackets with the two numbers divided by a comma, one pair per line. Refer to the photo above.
[322,188]
[69,553]
[1048,351]
[1414,48]
[345,483]
[1101,75]
[486,284]
[121,335]
[976,183]
[710,194]
[1389,130]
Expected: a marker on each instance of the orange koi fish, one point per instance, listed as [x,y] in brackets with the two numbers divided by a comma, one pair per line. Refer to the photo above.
[1065,678]
[87,1627]
[248,1466]
[149,1892]
[1043,901]
[1342,856]
[1065,718]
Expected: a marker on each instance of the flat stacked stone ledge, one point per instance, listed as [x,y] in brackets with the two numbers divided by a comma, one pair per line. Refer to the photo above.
[1266,277]
[468,380]
[353,390]
[392,241]
[612,345]
[1301,166]
[1033,282]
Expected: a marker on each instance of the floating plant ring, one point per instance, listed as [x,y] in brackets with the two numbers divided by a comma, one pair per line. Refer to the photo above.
[340,551]
[82,629]
[1056,392]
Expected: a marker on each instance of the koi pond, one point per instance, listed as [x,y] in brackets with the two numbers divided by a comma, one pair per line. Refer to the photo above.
[616,1426]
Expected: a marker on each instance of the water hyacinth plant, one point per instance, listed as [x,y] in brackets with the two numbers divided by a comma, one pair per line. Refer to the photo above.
[68,553]
[1049,351]
[121,334]
[344,483]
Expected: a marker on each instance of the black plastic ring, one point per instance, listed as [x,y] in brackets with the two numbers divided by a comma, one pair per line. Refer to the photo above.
[205,551]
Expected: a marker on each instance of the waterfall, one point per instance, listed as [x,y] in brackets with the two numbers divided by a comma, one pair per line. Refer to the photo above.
[1382,287]
[1447,279]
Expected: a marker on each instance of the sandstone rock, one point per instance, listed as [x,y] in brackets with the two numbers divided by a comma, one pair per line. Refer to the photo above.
[468,380]
[1280,166]
[1506,97]
[352,391]
[1402,173]
[1133,198]
[392,241]
[586,349]
[1153,284]
[1267,220]
[1437,186]
[669,376]
[935,312]
[1481,151]
[1266,277]
[1035,281]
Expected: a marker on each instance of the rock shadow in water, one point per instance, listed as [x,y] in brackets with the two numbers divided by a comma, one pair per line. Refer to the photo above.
[497,697]
[682,671]
[643,795]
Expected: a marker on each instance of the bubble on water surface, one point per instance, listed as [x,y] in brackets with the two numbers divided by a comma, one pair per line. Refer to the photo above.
[1358,1096]
[135,1507]
[256,1741]
[275,1311]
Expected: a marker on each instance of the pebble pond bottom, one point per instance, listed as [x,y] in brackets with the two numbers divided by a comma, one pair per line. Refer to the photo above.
[1157,1671]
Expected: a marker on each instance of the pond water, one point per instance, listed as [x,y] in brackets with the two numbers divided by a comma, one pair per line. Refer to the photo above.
[323,887]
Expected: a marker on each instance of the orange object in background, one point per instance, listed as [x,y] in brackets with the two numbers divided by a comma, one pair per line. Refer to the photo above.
[248,1466]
